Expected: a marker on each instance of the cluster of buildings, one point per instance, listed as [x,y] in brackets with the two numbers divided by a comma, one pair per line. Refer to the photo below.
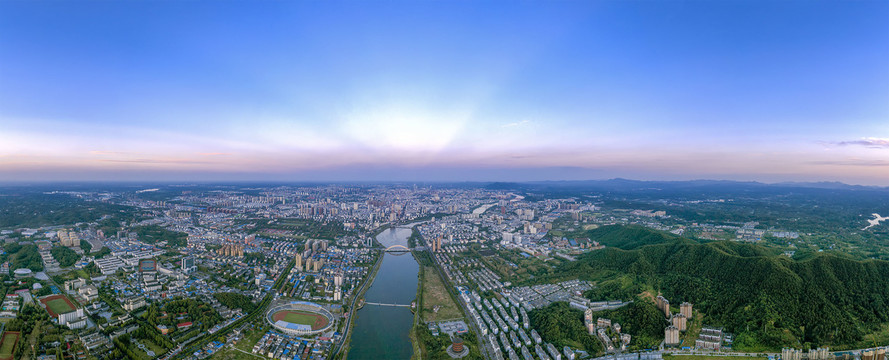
[80,288]
[678,321]
[712,338]
[231,250]
[281,346]
[813,354]
[10,307]
[226,254]
[327,273]
[505,326]
[606,332]
[543,295]
[69,238]
[874,354]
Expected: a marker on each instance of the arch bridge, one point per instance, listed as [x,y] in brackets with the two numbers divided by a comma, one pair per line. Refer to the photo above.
[398,248]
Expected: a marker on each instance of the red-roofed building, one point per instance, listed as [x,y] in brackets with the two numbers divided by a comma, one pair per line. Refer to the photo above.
[184,325]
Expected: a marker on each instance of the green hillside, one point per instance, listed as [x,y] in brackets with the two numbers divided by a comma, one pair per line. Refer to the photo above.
[629,237]
[767,300]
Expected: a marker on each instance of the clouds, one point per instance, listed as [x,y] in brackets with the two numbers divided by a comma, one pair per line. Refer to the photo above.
[868,142]
[515,124]
[853,162]
[542,87]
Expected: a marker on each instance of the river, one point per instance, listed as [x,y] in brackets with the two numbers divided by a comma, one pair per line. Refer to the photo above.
[382,332]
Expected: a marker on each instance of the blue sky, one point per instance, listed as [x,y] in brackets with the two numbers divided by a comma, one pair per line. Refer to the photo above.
[192,90]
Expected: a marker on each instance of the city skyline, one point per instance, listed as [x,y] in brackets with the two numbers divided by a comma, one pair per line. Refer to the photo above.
[765,91]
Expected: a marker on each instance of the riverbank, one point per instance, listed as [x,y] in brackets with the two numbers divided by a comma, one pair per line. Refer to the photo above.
[414,335]
[383,332]
[433,291]
[342,351]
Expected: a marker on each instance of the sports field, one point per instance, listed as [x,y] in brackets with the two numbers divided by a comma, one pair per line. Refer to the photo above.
[7,344]
[57,304]
[316,321]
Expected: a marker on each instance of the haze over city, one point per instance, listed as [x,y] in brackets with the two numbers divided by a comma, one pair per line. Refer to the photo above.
[738,90]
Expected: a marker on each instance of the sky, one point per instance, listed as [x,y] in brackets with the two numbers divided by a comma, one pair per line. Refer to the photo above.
[444,90]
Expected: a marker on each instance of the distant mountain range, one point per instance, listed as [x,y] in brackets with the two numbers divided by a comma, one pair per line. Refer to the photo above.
[620,184]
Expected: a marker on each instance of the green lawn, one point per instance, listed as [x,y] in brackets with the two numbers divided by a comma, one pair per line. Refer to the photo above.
[153,347]
[8,345]
[251,337]
[436,294]
[59,306]
[300,318]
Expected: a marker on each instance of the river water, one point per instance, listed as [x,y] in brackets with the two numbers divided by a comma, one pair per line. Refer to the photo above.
[382,332]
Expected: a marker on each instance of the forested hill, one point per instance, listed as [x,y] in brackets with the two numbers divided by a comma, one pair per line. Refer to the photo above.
[764,298]
[630,237]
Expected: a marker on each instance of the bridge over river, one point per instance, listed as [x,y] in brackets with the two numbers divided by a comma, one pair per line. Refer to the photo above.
[401,248]
[381,304]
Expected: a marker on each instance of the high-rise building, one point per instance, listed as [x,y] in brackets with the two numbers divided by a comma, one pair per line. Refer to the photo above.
[663,304]
[794,354]
[299,261]
[338,280]
[233,250]
[671,335]
[685,309]
[679,321]
[188,265]
[821,354]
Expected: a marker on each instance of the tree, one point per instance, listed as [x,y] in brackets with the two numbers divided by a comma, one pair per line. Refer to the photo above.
[65,256]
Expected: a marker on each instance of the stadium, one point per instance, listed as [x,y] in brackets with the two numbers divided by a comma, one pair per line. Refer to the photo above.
[300,318]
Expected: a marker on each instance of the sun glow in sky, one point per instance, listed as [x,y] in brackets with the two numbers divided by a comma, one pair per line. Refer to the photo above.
[745,90]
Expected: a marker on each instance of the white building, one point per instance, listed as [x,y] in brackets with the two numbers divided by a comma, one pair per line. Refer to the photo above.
[73,320]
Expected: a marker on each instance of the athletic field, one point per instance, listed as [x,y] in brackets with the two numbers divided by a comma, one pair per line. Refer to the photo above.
[57,304]
[7,344]
[316,321]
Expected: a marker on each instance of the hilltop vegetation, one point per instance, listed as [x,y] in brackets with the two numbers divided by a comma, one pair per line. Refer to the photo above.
[767,300]
[65,256]
[563,325]
[628,237]
[29,209]
[151,234]
[22,256]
